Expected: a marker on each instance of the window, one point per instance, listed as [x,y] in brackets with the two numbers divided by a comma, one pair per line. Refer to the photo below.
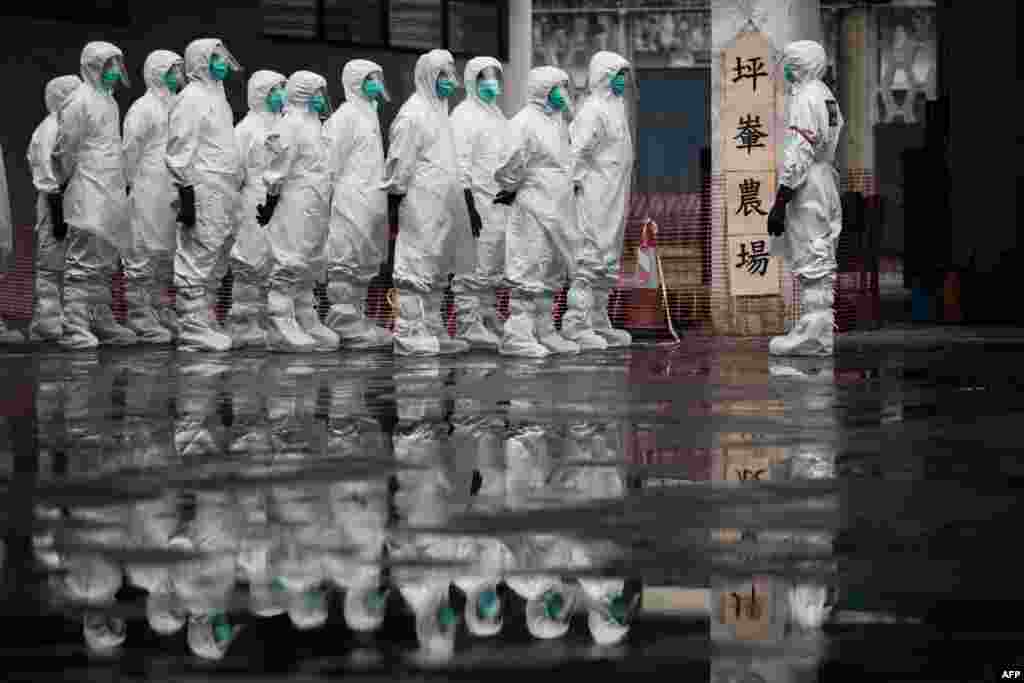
[464,27]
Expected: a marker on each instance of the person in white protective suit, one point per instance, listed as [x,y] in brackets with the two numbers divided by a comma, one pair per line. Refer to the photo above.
[480,127]
[206,169]
[434,236]
[47,315]
[603,152]
[87,155]
[534,174]
[807,216]
[250,260]
[6,243]
[149,261]
[358,242]
[298,177]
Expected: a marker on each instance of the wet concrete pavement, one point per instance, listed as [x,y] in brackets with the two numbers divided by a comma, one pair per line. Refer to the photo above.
[758,519]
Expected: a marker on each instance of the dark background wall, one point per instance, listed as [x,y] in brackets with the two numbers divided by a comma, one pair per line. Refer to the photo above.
[37,49]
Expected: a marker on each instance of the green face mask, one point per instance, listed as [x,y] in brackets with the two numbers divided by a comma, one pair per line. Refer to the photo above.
[619,84]
[556,99]
[111,77]
[219,69]
[372,89]
[275,100]
[318,103]
[222,630]
[445,88]
[788,73]
[171,81]
[488,89]
[376,600]
[617,609]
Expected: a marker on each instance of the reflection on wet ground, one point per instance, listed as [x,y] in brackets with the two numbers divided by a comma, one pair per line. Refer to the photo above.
[171,514]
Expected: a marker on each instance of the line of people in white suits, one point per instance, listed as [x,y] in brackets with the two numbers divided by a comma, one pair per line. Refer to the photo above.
[299,193]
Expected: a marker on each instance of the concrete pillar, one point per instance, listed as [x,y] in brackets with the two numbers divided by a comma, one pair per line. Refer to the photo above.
[520,54]
[782,21]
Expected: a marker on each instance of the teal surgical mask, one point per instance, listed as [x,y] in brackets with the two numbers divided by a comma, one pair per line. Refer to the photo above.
[553,605]
[318,104]
[275,100]
[219,69]
[222,630]
[445,88]
[488,605]
[617,609]
[372,89]
[488,89]
[446,616]
[788,73]
[110,77]
[619,83]
[171,81]
[556,99]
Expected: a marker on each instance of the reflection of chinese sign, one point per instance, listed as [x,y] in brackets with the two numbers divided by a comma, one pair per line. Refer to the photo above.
[748,161]
[746,610]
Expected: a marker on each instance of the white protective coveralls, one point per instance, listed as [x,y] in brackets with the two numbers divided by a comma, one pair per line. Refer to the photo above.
[250,262]
[202,154]
[48,313]
[479,134]
[434,238]
[149,262]
[602,146]
[541,239]
[88,155]
[297,234]
[814,216]
[358,242]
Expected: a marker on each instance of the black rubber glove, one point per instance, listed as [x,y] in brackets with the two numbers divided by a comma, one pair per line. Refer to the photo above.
[777,216]
[475,224]
[505,197]
[394,201]
[187,206]
[59,226]
[265,211]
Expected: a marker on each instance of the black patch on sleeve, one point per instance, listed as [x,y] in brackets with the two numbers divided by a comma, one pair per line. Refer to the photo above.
[833,113]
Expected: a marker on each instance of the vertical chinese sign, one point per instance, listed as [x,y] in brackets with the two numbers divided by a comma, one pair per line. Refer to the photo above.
[748,164]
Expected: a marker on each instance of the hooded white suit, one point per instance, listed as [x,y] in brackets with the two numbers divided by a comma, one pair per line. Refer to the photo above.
[149,263]
[47,316]
[88,155]
[814,216]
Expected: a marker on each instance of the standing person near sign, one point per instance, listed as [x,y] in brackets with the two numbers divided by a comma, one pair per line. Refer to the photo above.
[603,154]
[480,128]
[807,216]
[534,173]
[434,235]
[6,243]
[95,201]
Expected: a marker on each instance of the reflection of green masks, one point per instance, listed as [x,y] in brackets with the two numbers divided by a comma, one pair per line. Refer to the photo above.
[110,77]
[445,88]
[376,600]
[219,69]
[553,604]
[318,103]
[171,81]
[488,89]
[556,99]
[788,73]
[619,83]
[617,609]
[488,605]
[221,628]
[275,100]
[372,88]
[446,616]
